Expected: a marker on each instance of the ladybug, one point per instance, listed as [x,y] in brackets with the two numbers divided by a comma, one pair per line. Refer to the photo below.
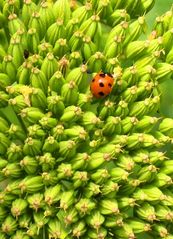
[101,84]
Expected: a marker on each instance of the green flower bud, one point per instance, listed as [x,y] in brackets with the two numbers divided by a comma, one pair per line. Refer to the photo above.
[80,179]
[75,59]
[52,194]
[161,230]
[97,159]
[67,148]
[71,114]
[117,17]
[33,40]
[14,23]
[95,219]
[29,164]
[3,213]
[40,220]
[23,73]
[35,202]
[128,124]
[46,160]
[147,173]
[163,70]
[32,230]
[12,170]
[101,233]
[91,189]
[44,48]
[9,225]
[38,98]
[67,199]
[48,122]
[161,180]
[56,82]
[4,143]
[49,178]
[79,161]
[138,225]
[27,10]
[19,207]
[118,174]
[89,120]
[100,176]
[85,206]
[110,189]
[55,31]
[18,103]
[108,207]
[36,22]
[11,190]
[35,131]
[96,62]
[38,79]
[69,92]
[149,193]
[58,132]
[50,145]
[31,184]
[46,14]
[79,228]
[135,29]
[32,146]
[79,76]
[112,125]
[9,67]
[163,213]
[70,216]
[4,81]
[114,221]
[20,235]
[31,115]
[64,171]
[15,49]
[49,65]
[122,109]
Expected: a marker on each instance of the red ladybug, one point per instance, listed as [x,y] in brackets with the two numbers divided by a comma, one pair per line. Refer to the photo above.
[101,85]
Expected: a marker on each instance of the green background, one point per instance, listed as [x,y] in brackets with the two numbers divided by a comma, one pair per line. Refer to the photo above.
[161,6]
[166,88]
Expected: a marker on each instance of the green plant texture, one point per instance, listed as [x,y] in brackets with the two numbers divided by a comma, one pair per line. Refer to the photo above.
[86,119]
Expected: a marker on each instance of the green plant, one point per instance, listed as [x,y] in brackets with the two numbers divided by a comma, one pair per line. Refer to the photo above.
[75,166]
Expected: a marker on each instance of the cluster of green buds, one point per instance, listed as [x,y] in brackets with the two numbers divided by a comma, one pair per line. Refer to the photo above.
[72,165]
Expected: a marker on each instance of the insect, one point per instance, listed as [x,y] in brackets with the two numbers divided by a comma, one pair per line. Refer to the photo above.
[101,85]
[26,54]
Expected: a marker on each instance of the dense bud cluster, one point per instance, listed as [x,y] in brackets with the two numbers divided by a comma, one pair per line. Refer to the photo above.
[72,165]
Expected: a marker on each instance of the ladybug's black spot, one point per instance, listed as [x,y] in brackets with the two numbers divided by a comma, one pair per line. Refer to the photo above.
[101,93]
[110,85]
[93,80]
[101,84]
[102,74]
[26,54]
[109,74]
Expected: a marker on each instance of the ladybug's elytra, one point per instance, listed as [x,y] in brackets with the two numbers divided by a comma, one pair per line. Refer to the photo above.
[101,84]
